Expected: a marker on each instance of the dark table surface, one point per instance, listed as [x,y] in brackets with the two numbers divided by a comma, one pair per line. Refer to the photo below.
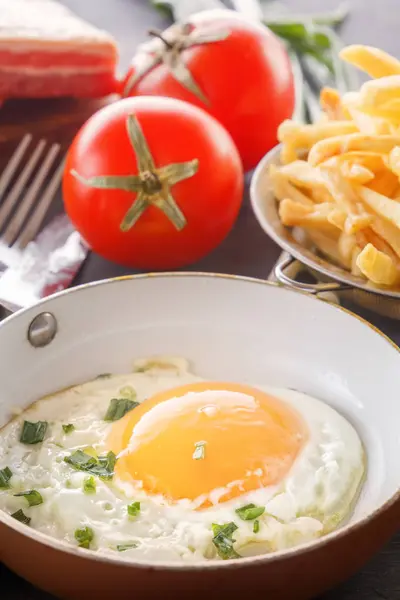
[248,251]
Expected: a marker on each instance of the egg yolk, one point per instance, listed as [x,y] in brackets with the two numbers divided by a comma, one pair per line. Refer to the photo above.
[208,441]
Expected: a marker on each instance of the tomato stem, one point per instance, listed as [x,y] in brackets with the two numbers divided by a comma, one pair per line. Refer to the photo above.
[180,38]
[158,34]
[152,185]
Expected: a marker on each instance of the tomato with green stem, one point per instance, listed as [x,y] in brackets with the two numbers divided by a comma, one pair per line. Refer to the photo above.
[234,68]
[153,183]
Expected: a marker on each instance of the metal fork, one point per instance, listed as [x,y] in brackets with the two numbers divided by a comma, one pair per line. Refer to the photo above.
[24,205]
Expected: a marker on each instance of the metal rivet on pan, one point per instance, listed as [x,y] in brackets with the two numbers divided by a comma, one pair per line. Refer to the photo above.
[42,330]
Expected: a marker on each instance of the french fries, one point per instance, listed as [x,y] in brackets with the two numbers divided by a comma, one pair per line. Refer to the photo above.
[384,207]
[340,177]
[294,214]
[284,189]
[375,62]
[394,161]
[377,266]
[298,138]
[385,183]
[380,98]
[332,105]
[346,245]
[357,173]
[373,161]
[327,148]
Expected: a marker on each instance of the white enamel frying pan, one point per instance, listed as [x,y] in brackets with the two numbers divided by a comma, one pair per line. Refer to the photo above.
[229,328]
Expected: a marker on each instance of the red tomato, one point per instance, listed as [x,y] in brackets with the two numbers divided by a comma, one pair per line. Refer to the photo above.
[247,79]
[175,132]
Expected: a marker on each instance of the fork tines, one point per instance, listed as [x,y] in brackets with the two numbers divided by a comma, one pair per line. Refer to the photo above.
[24,196]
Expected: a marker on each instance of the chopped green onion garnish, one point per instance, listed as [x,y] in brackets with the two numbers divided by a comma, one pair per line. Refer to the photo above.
[133,509]
[108,462]
[33,496]
[5,476]
[84,536]
[89,485]
[80,460]
[128,392]
[124,547]
[33,433]
[21,517]
[250,512]
[200,451]
[68,428]
[228,529]
[118,408]
[102,466]
[256,526]
[223,540]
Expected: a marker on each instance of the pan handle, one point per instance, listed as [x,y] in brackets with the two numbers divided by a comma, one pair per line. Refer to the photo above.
[290,264]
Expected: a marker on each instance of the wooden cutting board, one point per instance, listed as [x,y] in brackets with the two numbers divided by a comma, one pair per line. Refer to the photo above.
[54,120]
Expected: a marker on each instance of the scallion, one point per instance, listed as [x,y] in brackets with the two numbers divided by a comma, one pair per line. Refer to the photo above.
[133,509]
[103,466]
[223,540]
[84,537]
[21,517]
[69,428]
[250,512]
[89,485]
[33,433]
[124,547]
[118,408]
[33,497]
[5,476]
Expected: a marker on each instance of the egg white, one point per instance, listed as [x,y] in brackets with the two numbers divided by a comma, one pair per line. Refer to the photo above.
[317,494]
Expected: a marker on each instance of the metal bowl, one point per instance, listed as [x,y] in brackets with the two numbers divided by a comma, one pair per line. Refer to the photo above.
[332,277]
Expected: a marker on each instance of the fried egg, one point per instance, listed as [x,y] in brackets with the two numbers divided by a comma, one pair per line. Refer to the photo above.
[160,464]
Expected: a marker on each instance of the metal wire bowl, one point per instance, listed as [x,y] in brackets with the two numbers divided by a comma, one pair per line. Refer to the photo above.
[331,277]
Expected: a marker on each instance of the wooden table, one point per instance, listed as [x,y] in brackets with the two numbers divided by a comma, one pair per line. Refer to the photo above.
[247,250]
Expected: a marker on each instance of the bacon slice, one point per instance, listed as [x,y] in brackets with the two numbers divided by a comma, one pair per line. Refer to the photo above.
[47,51]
